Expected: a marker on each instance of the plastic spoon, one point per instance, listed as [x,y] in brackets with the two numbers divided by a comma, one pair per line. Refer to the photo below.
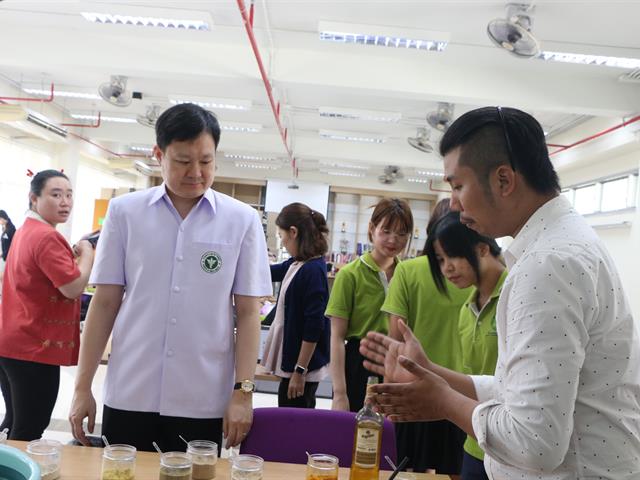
[183,439]
[155,445]
[105,441]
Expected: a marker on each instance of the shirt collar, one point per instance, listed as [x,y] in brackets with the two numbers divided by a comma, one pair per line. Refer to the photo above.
[36,216]
[546,215]
[161,192]
[368,260]
[471,301]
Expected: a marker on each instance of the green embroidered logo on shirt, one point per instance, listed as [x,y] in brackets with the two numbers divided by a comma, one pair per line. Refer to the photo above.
[211,262]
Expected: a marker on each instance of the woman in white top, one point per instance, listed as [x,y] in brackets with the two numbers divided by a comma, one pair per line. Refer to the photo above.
[297,348]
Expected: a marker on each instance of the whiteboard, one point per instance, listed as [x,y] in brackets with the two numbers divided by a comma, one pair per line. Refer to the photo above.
[279,195]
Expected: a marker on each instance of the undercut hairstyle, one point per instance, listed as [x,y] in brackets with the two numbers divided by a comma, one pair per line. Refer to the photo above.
[396,215]
[485,140]
[183,122]
[312,229]
[39,181]
[457,240]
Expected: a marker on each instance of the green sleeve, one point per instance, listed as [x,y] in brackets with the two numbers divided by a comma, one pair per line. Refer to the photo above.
[397,300]
[342,294]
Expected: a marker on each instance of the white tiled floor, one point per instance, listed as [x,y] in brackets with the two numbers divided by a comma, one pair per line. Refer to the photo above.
[59,426]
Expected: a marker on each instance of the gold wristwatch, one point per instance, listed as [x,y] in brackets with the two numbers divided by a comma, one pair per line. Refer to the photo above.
[247,386]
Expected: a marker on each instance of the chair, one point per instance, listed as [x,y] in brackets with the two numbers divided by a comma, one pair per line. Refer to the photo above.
[285,434]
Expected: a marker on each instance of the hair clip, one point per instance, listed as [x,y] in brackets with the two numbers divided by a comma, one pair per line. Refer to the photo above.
[29,173]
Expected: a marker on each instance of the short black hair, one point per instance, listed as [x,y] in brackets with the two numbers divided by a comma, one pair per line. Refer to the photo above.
[457,240]
[39,181]
[185,121]
[482,136]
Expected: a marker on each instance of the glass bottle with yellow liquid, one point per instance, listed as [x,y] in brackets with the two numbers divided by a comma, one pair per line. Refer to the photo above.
[365,464]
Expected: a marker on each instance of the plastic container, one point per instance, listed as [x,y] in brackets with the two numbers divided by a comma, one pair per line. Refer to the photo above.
[119,462]
[175,466]
[47,454]
[246,467]
[204,455]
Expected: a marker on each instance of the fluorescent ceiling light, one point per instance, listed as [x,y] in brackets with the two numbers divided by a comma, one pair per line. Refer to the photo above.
[140,21]
[103,118]
[241,127]
[354,114]
[344,165]
[398,37]
[208,102]
[339,173]
[602,60]
[430,173]
[262,166]
[62,93]
[418,180]
[351,136]
[137,148]
[257,158]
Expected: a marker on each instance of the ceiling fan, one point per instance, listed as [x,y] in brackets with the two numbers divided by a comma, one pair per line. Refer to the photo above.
[150,117]
[421,140]
[391,174]
[513,33]
[441,118]
[115,91]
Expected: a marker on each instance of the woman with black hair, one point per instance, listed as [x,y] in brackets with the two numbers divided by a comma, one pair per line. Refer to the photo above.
[8,230]
[465,258]
[40,319]
[297,348]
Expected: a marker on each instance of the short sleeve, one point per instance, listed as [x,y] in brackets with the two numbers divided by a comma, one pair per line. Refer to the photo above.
[397,301]
[108,266]
[55,259]
[253,276]
[342,294]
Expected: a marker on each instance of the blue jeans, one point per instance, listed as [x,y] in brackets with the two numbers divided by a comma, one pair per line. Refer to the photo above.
[472,468]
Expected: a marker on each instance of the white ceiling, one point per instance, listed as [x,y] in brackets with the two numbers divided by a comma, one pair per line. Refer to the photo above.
[44,42]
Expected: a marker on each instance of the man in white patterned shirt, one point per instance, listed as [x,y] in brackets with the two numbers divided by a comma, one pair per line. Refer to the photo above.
[565,399]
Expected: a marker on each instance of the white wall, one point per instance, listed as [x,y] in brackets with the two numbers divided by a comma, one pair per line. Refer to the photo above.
[622,242]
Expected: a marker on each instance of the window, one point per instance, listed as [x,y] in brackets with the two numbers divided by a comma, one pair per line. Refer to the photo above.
[615,194]
[587,199]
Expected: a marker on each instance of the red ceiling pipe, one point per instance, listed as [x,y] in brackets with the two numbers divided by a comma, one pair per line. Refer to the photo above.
[30,99]
[84,125]
[596,135]
[105,149]
[263,74]
[251,14]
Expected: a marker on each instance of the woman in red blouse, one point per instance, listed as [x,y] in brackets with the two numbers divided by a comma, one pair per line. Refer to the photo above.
[40,316]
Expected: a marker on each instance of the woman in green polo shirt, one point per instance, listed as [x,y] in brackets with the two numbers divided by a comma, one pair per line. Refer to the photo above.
[465,258]
[433,317]
[357,294]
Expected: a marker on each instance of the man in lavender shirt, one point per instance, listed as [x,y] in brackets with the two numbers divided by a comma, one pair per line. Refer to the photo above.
[172,264]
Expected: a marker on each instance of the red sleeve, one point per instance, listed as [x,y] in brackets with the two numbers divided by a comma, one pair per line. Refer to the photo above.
[55,259]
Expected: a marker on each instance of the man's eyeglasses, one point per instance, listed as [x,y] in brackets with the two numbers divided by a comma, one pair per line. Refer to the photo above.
[507,140]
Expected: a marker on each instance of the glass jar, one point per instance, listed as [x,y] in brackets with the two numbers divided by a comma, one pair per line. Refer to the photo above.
[322,467]
[119,462]
[175,466]
[204,455]
[47,454]
[246,467]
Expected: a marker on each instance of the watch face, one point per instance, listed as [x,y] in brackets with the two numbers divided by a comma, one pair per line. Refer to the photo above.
[248,386]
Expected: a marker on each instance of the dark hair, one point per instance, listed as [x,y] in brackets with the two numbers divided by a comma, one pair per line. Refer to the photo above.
[441,209]
[5,216]
[395,213]
[185,121]
[312,229]
[490,136]
[456,240]
[39,181]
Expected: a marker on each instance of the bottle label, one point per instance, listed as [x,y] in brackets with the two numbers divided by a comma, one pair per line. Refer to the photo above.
[366,447]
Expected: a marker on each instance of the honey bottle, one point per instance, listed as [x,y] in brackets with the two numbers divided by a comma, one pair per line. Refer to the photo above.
[365,463]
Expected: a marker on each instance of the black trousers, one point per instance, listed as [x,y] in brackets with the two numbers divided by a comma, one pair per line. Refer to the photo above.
[437,445]
[355,374]
[141,428]
[472,468]
[30,390]
[307,400]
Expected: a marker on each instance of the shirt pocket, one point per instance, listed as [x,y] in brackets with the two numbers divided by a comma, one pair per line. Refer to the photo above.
[214,261]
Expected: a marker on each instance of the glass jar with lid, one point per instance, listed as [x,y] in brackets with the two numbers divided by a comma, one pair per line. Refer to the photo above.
[175,466]
[119,462]
[204,455]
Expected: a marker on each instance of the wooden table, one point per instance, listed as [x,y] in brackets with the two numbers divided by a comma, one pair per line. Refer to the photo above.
[85,463]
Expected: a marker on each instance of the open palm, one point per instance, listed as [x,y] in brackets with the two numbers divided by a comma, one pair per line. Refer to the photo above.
[383,353]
